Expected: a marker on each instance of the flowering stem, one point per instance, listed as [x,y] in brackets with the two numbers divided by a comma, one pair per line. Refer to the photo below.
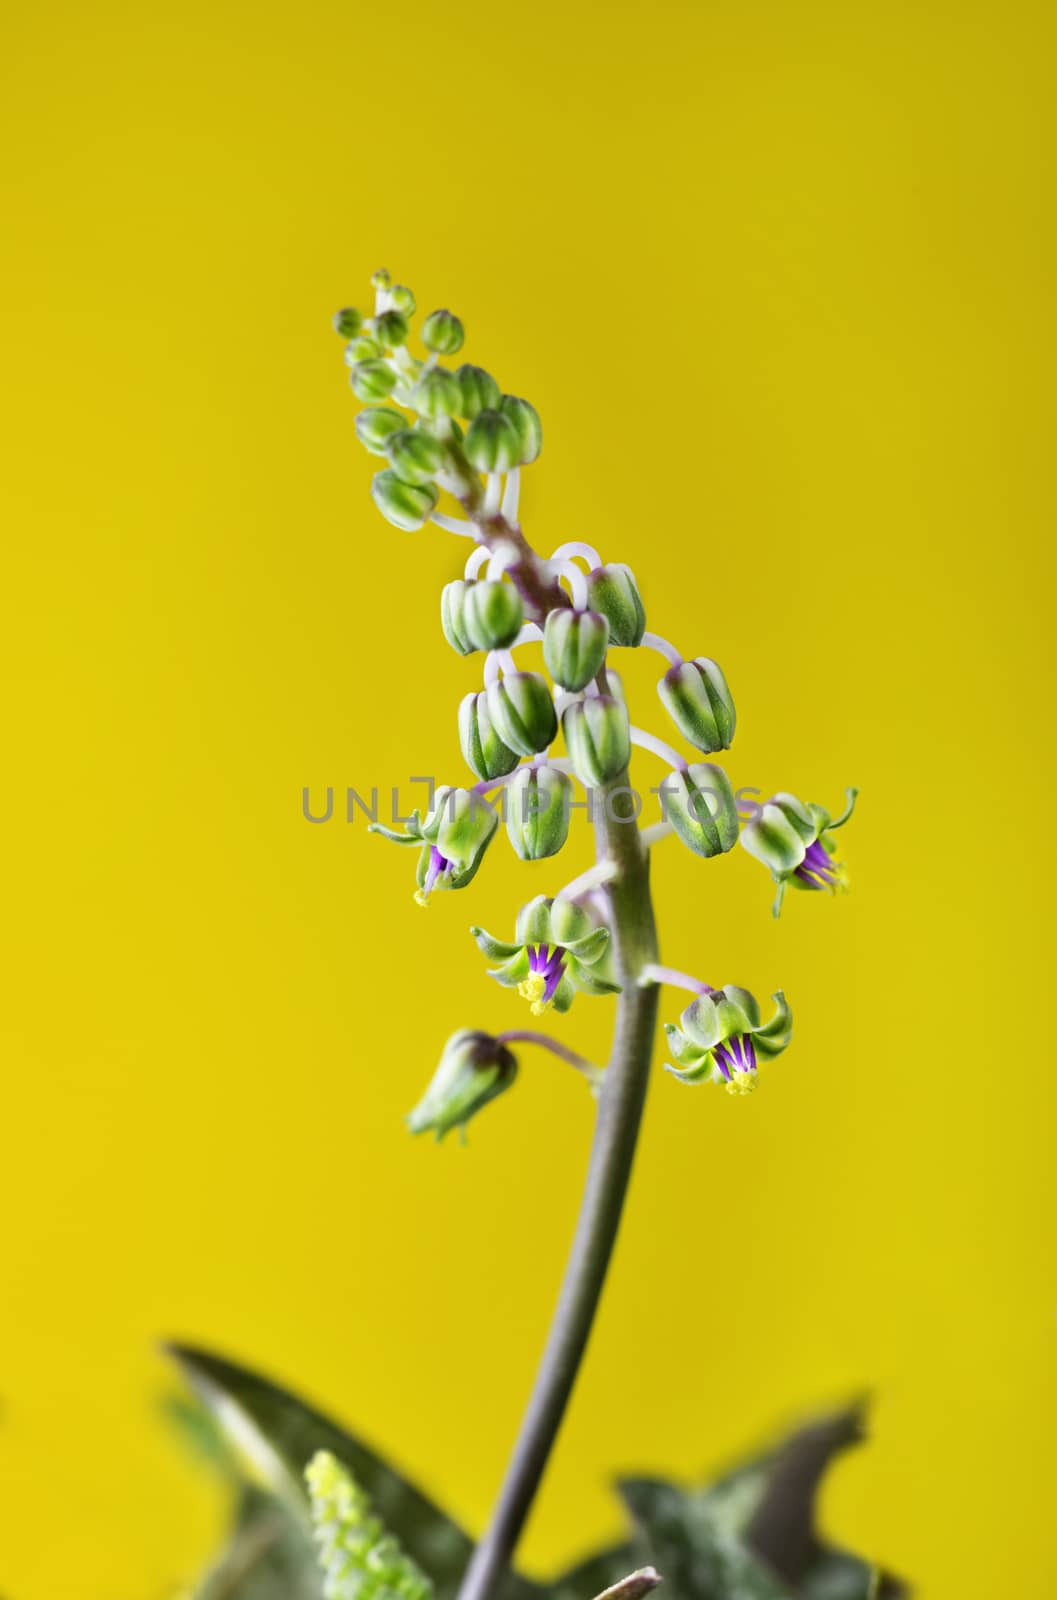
[609,1168]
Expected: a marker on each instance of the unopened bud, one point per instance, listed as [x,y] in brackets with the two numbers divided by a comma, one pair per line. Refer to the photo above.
[442,332]
[483,750]
[478,389]
[598,738]
[700,805]
[527,425]
[538,804]
[381,279]
[372,380]
[390,329]
[473,1069]
[436,394]
[415,456]
[405,505]
[376,426]
[401,299]
[696,697]
[492,614]
[365,348]
[492,443]
[612,590]
[522,711]
[348,322]
[574,646]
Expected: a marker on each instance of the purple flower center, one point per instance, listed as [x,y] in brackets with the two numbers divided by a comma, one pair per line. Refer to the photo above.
[549,962]
[816,871]
[438,866]
[737,1054]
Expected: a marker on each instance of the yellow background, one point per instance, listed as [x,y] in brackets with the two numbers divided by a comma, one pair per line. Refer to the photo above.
[774,276]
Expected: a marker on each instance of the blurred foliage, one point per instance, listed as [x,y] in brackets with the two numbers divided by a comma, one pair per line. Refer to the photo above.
[750,1534]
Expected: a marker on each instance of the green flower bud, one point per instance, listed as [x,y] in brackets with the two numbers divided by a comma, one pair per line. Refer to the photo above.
[473,1069]
[483,750]
[437,394]
[381,279]
[597,738]
[365,348]
[478,389]
[452,605]
[414,456]
[574,646]
[492,614]
[522,712]
[405,505]
[402,299]
[696,697]
[700,805]
[376,426]
[612,590]
[537,812]
[390,329]
[492,444]
[348,322]
[372,380]
[527,425]
[442,332]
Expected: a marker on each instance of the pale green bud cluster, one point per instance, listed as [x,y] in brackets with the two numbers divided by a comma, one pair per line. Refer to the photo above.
[358,1558]
[438,428]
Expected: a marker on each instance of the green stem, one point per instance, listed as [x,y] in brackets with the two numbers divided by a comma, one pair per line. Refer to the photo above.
[609,1169]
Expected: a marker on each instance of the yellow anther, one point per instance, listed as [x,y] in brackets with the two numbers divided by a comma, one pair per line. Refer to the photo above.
[741,1083]
[421,897]
[532,988]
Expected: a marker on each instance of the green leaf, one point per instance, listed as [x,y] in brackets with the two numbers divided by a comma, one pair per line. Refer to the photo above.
[268,1557]
[274,1435]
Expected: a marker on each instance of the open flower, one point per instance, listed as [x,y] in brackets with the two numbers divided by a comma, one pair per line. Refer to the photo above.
[452,839]
[557,950]
[720,1038]
[796,842]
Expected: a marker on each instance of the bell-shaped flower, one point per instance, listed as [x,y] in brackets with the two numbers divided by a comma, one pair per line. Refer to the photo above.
[452,840]
[720,1038]
[796,842]
[557,950]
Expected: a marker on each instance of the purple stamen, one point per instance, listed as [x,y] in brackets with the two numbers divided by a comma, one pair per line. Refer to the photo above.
[438,866]
[737,1054]
[550,964]
[816,871]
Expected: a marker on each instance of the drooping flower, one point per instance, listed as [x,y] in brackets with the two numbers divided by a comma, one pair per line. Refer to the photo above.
[474,1067]
[720,1039]
[558,949]
[452,840]
[796,842]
